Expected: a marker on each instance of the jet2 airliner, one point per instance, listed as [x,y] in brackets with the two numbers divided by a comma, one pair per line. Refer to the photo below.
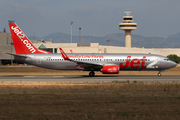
[107,63]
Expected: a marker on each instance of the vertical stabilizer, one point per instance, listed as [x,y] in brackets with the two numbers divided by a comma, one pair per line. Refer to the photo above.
[22,44]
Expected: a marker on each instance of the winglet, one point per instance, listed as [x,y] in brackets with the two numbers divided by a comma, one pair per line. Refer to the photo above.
[64,54]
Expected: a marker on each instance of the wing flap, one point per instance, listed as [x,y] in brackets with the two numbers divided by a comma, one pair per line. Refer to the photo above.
[89,64]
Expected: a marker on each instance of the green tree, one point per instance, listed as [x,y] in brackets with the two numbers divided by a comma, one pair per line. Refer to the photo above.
[174,58]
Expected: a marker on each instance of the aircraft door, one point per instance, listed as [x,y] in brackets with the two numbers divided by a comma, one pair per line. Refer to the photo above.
[157,64]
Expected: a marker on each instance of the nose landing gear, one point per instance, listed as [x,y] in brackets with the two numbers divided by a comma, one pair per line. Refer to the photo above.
[91,74]
[159,74]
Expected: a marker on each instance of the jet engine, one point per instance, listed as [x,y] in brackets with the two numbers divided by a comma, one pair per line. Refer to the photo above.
[110,69]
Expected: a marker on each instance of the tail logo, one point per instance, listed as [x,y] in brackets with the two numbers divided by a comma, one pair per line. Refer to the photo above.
[23,38]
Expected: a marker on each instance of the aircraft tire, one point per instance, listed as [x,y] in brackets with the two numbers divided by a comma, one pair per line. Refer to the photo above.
[91,74]
[159,74]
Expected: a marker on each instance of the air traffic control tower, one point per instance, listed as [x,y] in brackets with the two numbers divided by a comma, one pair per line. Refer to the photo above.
[127,26]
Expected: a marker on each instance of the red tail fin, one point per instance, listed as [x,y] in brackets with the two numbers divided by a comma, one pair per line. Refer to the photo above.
[22,44]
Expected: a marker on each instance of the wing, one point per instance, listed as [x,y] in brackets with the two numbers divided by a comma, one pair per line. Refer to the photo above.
[81,63]
[89,64]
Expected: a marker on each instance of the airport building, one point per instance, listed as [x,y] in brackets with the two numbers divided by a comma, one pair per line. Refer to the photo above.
[6,46]
[96,48]
[128,25]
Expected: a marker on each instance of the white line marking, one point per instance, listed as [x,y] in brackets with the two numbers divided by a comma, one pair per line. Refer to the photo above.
[58,76]
[28,76]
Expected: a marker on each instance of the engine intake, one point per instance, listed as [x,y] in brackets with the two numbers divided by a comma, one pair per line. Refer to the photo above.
[110,69]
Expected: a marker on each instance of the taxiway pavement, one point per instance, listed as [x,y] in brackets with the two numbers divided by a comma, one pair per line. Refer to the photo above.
[85,78]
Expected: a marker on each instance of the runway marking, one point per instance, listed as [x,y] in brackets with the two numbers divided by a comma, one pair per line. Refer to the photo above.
[58,76]
[28,76]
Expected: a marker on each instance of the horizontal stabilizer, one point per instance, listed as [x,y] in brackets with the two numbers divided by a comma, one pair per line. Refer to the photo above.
[16,55]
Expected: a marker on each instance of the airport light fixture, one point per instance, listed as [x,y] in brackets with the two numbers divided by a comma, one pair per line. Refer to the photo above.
[71,30]
[11,21]
[108,42]
[80,35]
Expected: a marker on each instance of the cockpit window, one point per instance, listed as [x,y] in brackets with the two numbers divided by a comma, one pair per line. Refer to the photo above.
[166,59]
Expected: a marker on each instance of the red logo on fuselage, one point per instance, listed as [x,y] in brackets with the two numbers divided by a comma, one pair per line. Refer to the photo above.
[134,63]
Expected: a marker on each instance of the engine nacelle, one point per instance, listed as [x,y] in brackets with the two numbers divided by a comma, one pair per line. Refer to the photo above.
[110,69]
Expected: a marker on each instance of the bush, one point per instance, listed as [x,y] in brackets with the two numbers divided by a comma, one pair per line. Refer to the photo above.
[174,58]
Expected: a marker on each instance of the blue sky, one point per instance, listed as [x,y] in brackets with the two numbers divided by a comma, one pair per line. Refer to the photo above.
[96,17]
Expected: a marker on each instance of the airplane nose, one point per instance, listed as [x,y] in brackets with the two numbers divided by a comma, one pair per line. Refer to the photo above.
[173,64]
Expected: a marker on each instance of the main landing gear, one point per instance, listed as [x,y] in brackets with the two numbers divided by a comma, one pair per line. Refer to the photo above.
[159,74]
[91,74]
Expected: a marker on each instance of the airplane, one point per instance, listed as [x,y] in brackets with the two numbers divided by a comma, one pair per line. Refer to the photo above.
[107,63]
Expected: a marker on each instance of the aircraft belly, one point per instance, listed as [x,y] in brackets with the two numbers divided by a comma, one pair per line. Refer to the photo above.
[67,66]
[59,65]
